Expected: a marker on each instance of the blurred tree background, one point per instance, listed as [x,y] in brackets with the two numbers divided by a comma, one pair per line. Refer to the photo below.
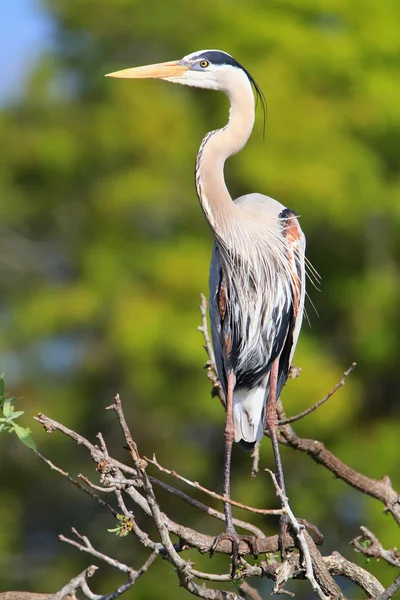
[104,251]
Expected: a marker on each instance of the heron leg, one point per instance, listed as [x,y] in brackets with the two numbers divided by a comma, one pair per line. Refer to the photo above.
[272,424]
[230,531]
[229,437]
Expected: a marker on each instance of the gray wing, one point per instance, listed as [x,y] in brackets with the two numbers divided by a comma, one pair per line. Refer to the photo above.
[275,336]
[216,305]
[251,362]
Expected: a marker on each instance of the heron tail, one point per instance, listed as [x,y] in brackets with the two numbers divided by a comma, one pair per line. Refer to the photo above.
[248,415]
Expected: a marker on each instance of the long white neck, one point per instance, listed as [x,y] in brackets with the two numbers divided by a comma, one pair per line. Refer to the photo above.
[216,202]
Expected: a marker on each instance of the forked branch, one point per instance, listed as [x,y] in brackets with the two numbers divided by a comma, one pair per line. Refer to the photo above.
[133,490]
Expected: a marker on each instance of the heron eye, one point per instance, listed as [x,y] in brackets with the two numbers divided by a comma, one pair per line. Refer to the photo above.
[204,64]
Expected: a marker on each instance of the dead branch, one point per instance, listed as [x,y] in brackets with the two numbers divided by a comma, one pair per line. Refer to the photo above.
[338,565]
[211,369]
[195,484]
[133,575]
[391,591]
[78,582]
[86,546]
[320,402]
[134,485]
[247,591]
[27,596]
[380,489]
[138,489]
[321,571]
[369,545]
[303,544]
[77,484]
[112,478]
[109,469]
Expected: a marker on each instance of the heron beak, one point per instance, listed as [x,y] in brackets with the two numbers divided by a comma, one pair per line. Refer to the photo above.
[158,71]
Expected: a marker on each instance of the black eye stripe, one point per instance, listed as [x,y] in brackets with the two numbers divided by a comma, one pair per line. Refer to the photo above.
[220,58]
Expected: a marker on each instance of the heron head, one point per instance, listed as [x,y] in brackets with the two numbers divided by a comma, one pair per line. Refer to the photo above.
[209,69]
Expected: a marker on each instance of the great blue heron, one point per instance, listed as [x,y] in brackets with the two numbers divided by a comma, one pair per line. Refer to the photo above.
[257,279]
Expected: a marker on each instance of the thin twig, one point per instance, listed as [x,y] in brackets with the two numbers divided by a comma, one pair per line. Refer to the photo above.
[77,582]
[80,581]
[210,365]
[145,567]
[247,591]
[76,483]
[380,489]
[391,591]
[98,488]
[85,546]
[103,446]
[132,525]
[201,591]
[369,545]
[317,404]
[192,538]
[158,517]
[197,486]
[212,512]
[117,407]
[204,329]
[298,530]
[96,453]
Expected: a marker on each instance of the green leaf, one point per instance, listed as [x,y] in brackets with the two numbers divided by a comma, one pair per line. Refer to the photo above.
[24,435]
[17,414]
[8,408]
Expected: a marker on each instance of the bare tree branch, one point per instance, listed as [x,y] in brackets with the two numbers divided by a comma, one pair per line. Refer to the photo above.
[338,565]
[78,582]
[203,507]
[370,546]
[320,402]
[210,367]
[27,596]
[321,572]
[133,489]
[86,546]
[380,489]
[300,534]
[392,589]
[260,511]
[77,484]
[247,591]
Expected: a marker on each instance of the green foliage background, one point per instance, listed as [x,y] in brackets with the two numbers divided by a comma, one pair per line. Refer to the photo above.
[104,252]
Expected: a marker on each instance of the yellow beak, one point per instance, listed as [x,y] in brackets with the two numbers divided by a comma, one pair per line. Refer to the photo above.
[158,71]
